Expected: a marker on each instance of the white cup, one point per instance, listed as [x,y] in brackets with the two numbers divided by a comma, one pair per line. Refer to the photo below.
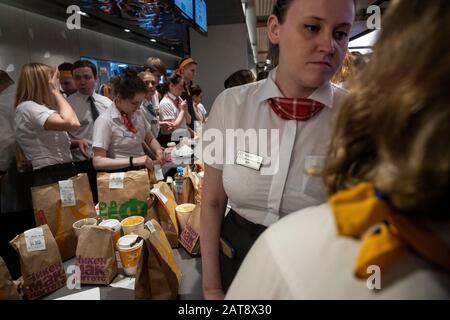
[184,211]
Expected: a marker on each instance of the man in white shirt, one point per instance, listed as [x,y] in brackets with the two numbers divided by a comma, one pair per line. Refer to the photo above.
[87,105]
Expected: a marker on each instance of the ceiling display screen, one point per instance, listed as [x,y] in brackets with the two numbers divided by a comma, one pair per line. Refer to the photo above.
[154,19]
[200,15]
[186,7]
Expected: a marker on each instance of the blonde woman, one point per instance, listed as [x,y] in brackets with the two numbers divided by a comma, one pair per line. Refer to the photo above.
[42,120]
[385,232]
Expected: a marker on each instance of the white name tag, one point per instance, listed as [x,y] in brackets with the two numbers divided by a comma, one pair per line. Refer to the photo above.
[67,193]
[159,194]
[249,160]
[127,134]
[158,173]
[116,180]
[150,226]
[35,240]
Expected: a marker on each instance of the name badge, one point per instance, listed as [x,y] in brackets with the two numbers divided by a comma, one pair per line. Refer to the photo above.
[249,160]
[127,134]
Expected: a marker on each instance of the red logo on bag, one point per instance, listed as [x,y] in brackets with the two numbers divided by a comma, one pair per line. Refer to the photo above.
[41,217]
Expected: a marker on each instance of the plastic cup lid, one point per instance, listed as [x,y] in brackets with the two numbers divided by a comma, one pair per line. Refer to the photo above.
[128,241]
[110,223]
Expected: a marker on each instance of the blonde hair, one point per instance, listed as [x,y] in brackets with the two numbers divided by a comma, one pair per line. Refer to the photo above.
[346,70]
[393,128]
[33,85]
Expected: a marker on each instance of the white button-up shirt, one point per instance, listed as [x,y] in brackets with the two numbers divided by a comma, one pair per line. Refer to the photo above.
[110,134]
[42,147]
[152,119]
[168,111]
[289,149]
[82,107]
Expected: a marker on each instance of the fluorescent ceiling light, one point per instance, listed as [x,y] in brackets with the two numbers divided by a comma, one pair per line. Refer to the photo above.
[83,13]
[126,30]
[367,40]
[152,40]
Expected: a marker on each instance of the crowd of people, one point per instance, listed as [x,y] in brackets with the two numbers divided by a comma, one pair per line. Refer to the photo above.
[362,176]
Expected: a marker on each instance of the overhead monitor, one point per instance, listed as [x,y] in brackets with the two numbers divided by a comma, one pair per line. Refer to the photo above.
[186,7]
[200,15]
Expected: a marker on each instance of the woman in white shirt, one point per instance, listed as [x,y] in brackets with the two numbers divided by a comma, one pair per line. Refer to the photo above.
[385,232]
[199,108]
[283,126]
[120,131]
[42,120]
[173,109]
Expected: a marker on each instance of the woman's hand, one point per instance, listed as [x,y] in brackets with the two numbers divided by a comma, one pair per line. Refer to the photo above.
[143,161]
[184,106]
[160,157]
[54,82]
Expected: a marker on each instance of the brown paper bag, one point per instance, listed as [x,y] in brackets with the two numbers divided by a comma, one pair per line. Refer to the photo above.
[158,276]
[7,289]
[40,262]
[164,212]
[130,200]
[190,237]
[48,209]
[191,186]
[96,256]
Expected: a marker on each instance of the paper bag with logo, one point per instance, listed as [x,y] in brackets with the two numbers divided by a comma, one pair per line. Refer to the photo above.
[190,237]
[40,262]
[164,212]
[96,256]
[61,204]
[123,194]
[7,289]
[158,276]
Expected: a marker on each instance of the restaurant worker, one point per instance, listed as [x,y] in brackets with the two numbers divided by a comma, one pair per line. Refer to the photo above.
[120,131]
[88,105]
[385,231]
[287,120]
[42,120]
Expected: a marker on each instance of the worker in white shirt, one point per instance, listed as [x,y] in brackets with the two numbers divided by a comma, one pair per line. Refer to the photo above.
[120,132]
[283,126]
[173,112]
[150,105]
[88,105]
[385,231]
[43,118]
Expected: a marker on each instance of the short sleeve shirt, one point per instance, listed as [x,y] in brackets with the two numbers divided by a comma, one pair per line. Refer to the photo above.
[111,134]
[82,107]
[42,147]
[241,120]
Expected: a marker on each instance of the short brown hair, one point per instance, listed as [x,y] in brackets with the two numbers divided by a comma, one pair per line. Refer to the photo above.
[155,64]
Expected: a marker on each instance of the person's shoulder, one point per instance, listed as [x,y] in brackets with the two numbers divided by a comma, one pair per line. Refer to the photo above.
[75,97]
[30,106]
[302,220]
[102,99]
[236,96]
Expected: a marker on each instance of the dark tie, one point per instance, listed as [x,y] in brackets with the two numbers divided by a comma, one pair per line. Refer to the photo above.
[150,109]
[94,110]
[295,108]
